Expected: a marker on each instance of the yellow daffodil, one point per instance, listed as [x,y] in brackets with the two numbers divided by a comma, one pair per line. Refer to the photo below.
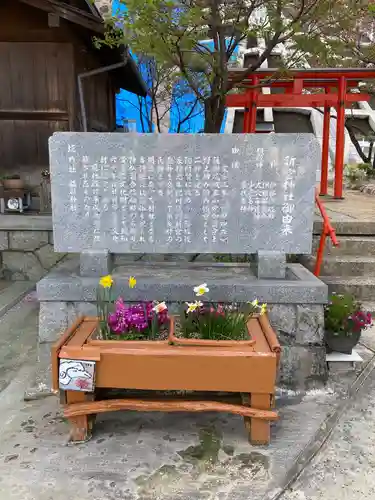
[263,309]
[132,282]
[193,306]
[106,281]
[159,307]
[255,302]
[201,289]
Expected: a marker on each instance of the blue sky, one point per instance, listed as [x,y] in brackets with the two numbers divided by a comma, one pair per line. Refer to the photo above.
[129,106]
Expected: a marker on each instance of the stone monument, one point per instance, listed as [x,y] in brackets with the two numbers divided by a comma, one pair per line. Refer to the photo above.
[148,205]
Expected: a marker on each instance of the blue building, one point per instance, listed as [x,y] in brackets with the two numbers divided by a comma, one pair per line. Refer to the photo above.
[186,116]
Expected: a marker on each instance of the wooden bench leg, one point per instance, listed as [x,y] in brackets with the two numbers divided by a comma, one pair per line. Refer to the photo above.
[260,430]
[81,426]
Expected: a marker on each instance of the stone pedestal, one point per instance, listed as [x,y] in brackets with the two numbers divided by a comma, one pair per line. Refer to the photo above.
[295,304]
[270,265]
[95,263]
[300,329]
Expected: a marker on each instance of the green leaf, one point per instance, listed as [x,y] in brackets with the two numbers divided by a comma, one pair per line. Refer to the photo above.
[171,32]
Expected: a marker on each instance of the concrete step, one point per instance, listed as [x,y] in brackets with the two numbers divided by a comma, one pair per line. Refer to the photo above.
[347,228]
[342,265]
[349,245]
[362,287]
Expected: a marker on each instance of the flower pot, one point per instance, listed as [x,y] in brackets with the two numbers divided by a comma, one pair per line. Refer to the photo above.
[13,183]
[341,343]
[248,367]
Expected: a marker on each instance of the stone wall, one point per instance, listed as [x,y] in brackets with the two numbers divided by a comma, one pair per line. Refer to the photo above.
[27,255]
[26,247]
[300,330]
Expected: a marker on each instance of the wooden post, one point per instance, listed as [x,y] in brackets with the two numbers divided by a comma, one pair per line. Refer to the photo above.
[325,151]
[81,426]
[260,430]
[340,139]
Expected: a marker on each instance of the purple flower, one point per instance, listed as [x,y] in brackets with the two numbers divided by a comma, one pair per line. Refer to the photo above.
[136,317]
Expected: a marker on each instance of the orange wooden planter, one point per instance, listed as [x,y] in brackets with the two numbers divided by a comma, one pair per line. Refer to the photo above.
[246,368]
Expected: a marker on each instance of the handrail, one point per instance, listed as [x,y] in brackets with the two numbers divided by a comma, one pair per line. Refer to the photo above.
[327,231]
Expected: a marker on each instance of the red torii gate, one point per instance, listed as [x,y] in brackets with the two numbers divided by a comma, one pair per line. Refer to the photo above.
[335,86]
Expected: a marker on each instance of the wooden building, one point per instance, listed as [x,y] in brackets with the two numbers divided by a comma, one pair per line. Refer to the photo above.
[52,78]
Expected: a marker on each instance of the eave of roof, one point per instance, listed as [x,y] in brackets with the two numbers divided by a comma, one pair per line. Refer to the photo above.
[127,77]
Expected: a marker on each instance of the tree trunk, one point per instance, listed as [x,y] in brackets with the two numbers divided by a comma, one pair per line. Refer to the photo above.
[356,144]
[214,110]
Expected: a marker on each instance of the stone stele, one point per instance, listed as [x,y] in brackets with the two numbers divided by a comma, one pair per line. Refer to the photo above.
[177,193]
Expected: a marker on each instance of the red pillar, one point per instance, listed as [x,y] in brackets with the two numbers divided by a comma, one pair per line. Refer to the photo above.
[247,114]
[340,139]
[297,86]
[250,117]
[253,108]
[325,151]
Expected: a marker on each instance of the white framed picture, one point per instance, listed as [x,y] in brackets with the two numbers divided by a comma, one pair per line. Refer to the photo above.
[77,375]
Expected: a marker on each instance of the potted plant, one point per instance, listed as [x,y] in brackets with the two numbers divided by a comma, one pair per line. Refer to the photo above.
[13,182]
[120,321]
[207,349]
[344,321]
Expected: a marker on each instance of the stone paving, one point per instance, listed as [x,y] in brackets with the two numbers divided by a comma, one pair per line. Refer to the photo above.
[17,336]
[152,456]
[344,468]
[355,206]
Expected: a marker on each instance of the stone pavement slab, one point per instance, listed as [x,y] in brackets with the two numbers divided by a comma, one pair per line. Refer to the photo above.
[151,456]
[355,206]
[344,469]
[18,328]
[11,292]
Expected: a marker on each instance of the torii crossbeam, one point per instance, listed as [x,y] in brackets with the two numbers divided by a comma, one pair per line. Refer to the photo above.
[315,88]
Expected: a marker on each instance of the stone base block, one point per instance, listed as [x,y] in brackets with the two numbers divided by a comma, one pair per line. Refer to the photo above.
[95,263]
[302,367]
[341,367]
[53,320]
[270,265]
[300,323]
[174,281]
[295,306]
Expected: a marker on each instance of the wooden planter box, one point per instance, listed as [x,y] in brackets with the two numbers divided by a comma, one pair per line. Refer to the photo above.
[83,365]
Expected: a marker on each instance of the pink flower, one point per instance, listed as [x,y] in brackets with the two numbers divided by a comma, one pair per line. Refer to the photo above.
[82,383]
